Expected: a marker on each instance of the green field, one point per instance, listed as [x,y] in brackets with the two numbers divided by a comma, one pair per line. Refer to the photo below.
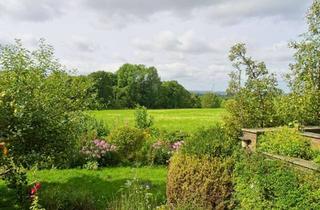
[101,186]
[168,119]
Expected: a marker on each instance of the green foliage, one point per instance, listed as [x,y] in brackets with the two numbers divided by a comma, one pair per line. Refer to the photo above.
[40,103]
[304,77]
[16,179]
[142,119]
[269,184]
[213,142]
[210,100]
[137,84]
[104,85]
[91,165]
[200,181]
[174,95]
[128,141]
[253,101]
[287,142]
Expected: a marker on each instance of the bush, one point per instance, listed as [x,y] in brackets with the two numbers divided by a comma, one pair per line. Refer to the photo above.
[287,142]
[128,141]
[142,119]
[213,142]
[200,181]
[40,104]
[100,152]
[262,183]
[200,174]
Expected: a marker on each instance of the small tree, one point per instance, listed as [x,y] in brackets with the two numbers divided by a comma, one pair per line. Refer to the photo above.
[142,119]
[253,89]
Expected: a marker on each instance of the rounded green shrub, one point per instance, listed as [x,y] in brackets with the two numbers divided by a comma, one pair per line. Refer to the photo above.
[128,141]
[200,174]
[287,142]
[200,181]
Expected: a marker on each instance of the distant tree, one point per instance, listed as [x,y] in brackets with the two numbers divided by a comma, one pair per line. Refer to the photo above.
[195,101]
[174,95]
[210,100]
[137,84]
[104,86]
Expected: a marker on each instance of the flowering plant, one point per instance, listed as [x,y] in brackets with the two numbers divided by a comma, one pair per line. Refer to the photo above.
[98,150]
[161,151]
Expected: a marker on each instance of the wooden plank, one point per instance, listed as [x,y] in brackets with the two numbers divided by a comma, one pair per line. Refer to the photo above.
[295,161]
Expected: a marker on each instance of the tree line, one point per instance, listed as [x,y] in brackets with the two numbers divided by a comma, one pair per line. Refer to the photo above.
[132,85]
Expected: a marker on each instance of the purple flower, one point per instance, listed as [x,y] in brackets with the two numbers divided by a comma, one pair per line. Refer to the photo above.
[175,146]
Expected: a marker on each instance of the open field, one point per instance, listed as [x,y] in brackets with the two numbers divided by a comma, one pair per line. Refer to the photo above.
[168,119]
[102,185]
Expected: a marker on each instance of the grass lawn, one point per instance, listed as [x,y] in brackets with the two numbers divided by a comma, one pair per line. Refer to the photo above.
[168,119]
[101,185]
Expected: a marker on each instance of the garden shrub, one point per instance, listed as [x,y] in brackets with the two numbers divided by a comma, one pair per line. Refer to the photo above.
[128,141]
[200,174]
[100,152]
[287,142]
[213,142]
[201,181]
[40,104]
[262,183]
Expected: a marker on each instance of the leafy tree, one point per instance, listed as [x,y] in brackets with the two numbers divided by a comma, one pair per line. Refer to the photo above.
[104,85]
[39,103]
[137,84]
[210,100]
[304,79]
[174,95]
[253,104]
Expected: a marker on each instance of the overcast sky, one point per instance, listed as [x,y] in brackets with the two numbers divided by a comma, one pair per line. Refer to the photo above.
[186,40]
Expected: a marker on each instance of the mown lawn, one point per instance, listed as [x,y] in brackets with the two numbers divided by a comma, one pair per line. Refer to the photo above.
[101,186]
[168,119]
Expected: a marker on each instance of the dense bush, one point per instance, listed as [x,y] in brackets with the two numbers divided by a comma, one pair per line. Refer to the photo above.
[40,104]
[128,141]
[213,142]
[287,142]
[202,181]
[200,174]
[269,184]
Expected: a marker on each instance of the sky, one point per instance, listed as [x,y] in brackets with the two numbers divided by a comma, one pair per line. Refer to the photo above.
[186,40]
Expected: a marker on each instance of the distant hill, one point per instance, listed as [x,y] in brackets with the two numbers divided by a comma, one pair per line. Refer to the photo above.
[202,92]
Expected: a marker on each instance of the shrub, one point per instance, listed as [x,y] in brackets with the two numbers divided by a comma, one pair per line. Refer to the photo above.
[40,104]
[262,183]
[200,174]
[287,142]
[142,119]
[100,152]
[213,142]
[200,181]
[128,141]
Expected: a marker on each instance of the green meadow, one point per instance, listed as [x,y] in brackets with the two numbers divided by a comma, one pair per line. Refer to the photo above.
[187,120]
